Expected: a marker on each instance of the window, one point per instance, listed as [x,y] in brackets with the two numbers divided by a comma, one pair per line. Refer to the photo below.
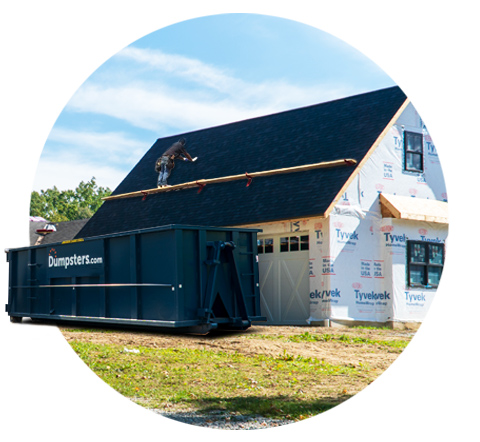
[265,245]
[293,243]
[269,245]
[413,146]
[425,263]
[260,246]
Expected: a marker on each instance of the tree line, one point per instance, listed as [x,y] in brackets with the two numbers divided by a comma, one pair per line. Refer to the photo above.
[67,205]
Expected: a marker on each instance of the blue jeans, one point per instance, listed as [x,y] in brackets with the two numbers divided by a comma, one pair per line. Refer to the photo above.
[164,172]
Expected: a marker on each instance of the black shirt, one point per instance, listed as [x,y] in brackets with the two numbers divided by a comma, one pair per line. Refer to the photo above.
[176,149]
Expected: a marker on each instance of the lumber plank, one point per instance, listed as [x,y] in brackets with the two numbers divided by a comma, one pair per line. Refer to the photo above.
[245,176]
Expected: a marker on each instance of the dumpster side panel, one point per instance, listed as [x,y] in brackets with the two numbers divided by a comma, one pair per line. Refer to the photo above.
[62,297]
[40,297]
[192,257]
[69,265]
[157,265]
[21,282]
[89,301]
[119,271]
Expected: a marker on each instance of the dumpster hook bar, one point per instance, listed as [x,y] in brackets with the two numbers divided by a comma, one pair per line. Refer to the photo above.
[52,286]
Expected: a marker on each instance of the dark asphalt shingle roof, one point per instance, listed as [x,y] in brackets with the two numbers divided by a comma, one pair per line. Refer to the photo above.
[344,128]
[65,231]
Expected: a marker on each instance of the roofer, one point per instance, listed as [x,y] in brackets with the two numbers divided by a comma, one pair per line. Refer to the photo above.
[166,162]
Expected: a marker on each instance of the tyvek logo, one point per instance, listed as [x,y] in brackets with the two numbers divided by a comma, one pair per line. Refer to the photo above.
[343,236]
[424,237]
[344,200]
[431,149]
[415,297]
[371,296]
[392,239]
[326,295]
[395,239]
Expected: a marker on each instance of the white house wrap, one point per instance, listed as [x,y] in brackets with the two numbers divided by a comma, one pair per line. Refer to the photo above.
[358,258]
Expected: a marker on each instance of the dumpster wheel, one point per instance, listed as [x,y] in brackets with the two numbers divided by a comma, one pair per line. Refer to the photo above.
[15,319]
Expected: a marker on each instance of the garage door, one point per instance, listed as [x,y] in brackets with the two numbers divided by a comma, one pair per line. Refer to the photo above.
[284,278]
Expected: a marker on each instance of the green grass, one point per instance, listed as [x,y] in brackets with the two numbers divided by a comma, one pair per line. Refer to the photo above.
[370,327]
[89,330]
[343,338]
[285,386]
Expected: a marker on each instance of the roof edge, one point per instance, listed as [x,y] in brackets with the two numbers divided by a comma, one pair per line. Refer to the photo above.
[367,156]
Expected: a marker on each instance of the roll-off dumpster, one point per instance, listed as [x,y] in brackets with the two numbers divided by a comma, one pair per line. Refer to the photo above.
[180,277]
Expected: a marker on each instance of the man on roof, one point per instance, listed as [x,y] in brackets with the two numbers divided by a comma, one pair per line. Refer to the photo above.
[166,162]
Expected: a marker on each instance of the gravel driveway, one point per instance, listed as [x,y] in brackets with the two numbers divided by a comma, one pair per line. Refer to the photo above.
[224,420]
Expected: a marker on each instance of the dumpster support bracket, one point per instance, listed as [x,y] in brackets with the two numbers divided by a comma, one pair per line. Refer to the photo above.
[206,312]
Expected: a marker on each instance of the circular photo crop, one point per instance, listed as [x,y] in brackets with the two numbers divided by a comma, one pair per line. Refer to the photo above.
[238,221]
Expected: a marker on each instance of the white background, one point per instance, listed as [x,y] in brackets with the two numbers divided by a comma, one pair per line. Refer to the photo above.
[50,47]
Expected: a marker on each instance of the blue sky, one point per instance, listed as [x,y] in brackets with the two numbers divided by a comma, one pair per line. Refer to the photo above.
[195,74]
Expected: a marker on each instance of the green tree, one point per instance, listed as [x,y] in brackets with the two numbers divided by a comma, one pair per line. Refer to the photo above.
[67,205]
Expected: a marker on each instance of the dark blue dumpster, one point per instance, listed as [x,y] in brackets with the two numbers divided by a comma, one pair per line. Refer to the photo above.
[189,278]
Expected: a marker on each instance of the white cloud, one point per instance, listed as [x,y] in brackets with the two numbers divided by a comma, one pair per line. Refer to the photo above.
[111,146]
[188,68]
[151,109]
[79,156]
[67,172]
[217,98]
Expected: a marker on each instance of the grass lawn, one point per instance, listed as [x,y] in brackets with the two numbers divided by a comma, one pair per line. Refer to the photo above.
[285,386]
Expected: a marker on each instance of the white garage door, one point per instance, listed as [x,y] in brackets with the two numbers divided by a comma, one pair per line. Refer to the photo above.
[284,278]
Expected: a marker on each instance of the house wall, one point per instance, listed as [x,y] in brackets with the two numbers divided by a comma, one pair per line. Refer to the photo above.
[368,252]
[357,259]
[409,304]
[384,171]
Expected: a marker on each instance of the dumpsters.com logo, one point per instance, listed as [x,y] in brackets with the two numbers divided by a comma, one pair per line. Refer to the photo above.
[70,261]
